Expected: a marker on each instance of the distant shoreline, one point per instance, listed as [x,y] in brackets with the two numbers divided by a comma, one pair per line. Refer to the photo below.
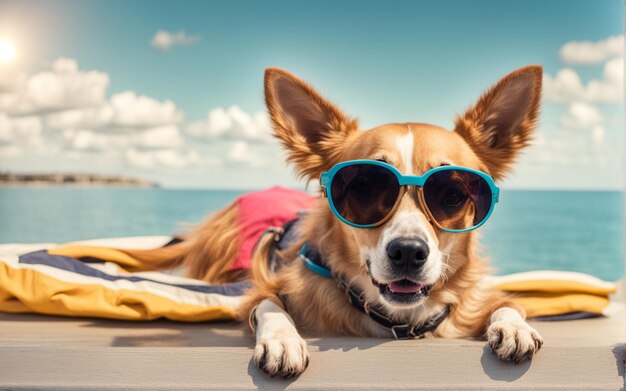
[72,180]
[46,185]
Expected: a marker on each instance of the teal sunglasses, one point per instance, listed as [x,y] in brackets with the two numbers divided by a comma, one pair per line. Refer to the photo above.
[366,193]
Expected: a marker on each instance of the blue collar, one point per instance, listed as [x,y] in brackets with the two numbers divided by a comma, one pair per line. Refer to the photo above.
[314,261]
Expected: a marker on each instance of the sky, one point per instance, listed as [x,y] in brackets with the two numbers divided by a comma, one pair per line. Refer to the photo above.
[173,91]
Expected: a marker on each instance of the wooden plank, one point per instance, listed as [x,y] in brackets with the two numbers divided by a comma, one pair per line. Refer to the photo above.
[382,366]
[42,352]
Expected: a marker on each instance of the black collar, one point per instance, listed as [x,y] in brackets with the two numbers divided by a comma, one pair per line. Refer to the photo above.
[316,263]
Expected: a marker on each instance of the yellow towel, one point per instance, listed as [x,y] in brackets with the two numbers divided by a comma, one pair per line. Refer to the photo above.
[549,292]
[59,282]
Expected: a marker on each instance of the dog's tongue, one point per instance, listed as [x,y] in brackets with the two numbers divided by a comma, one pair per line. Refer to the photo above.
[404,286]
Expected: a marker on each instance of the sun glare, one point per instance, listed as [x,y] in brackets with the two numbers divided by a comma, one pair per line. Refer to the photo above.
[7,51]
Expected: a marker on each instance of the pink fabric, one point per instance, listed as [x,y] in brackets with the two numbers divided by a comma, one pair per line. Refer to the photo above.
[262,209]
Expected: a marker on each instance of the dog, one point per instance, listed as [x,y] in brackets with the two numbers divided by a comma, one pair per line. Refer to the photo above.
[390,248]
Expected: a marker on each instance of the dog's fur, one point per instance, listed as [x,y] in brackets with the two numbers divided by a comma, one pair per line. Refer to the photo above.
[317,135]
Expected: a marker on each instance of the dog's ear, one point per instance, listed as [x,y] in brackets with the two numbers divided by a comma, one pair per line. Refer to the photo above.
[501,123]
[309,126]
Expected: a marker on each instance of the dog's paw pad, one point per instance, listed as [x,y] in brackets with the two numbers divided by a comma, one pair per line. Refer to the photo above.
[285,357]
[515,342]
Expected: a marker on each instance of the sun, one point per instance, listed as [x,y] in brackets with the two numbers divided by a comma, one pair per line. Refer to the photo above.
[7,51]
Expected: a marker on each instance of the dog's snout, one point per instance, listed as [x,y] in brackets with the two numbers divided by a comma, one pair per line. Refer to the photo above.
[408,254]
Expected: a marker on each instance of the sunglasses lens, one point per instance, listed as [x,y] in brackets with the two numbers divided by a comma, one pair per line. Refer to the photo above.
[364,194]
[457,199]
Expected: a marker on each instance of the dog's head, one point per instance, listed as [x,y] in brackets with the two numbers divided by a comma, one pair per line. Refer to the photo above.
[406,255]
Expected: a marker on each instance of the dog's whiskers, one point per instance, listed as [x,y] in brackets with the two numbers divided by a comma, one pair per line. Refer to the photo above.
[446,267]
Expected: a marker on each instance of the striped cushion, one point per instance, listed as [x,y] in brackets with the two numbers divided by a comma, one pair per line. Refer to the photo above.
[60,281]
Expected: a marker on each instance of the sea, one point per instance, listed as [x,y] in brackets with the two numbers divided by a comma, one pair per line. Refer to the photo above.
[558,230]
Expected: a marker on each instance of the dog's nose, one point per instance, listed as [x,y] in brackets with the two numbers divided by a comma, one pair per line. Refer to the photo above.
[408,254]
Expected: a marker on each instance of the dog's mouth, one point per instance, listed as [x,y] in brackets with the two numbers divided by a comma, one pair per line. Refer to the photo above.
[403,291]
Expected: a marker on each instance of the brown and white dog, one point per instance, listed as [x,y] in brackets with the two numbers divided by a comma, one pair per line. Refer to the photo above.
[317,135]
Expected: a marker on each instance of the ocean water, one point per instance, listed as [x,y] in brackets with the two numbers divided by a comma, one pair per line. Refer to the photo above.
[559,230]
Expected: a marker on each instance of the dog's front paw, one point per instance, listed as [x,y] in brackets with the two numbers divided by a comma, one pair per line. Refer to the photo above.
[285,356]
[513,341]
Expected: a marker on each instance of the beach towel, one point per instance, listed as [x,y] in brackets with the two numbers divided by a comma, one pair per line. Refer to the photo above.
[557,295]
[91,279]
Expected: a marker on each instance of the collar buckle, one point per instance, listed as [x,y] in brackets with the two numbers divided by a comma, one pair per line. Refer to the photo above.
[357,299]
[402,331]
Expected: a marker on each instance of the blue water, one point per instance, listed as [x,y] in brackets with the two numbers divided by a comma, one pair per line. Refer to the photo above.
[580,231]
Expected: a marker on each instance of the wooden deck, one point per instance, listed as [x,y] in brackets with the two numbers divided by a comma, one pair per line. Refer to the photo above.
[45,352]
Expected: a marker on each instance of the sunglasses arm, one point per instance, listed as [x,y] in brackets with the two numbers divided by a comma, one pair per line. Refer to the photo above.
[324,183]
[495,193]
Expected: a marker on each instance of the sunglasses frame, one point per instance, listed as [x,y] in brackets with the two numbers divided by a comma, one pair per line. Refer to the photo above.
[404,181]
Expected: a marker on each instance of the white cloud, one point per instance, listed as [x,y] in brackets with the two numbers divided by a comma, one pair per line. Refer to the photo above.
[232,124]
[573,159]
[20,131]
[241,153]
[134,110]
[164,40]
[165,137]
[597,135]
[614,71]
[18,135]
[86,118]
[88,141]
[587,143]
[160,138]
[124,112]
[566,86]
[10,151]
[29,129]
[6,130]
[139,159]
[592,52]
[568,152]
[162,158]
[174,159]
[62,87]
[582,115]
